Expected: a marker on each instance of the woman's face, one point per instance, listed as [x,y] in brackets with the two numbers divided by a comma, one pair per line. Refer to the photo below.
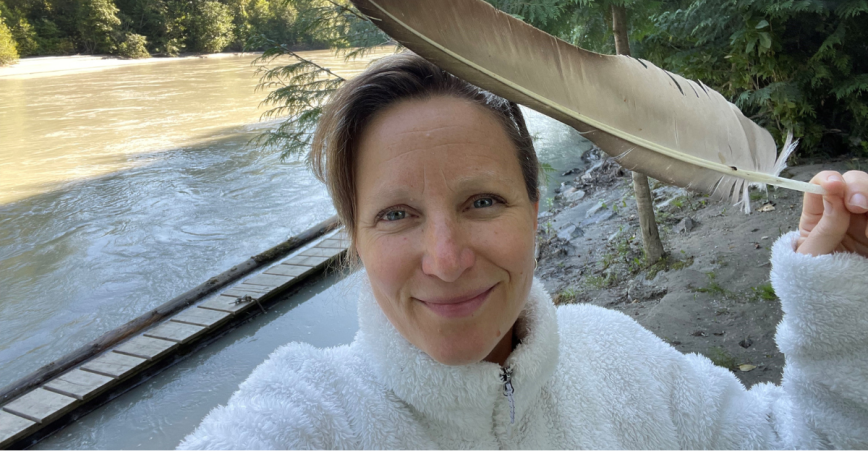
[445,227]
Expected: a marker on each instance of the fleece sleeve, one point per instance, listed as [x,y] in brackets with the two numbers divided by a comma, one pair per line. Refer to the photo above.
[277,407]
[824,337]
[823,398]
[822,402]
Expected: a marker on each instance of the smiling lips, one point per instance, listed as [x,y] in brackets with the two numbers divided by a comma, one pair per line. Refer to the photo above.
[461,306]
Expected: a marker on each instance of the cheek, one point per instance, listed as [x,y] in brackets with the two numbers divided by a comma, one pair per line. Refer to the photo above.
[389,261]
[508,244]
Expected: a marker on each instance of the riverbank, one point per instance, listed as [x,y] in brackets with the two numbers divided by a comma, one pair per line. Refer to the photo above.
[711,295]
[31,67]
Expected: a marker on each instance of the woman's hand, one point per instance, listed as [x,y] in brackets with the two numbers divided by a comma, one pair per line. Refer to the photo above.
[837,221]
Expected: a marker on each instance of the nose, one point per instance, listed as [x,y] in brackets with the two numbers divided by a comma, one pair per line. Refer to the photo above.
[447,252]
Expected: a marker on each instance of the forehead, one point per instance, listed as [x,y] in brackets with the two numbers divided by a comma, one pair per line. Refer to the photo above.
[456,137]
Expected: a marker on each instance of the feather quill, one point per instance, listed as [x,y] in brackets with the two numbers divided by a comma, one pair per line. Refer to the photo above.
[652,121]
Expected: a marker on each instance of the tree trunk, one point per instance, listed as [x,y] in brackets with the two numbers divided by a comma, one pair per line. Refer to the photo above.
[650,236]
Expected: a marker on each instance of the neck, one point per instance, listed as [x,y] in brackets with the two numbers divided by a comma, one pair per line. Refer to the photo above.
[503,348]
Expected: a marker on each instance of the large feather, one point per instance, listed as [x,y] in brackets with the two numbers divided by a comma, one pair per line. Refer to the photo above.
[652,121]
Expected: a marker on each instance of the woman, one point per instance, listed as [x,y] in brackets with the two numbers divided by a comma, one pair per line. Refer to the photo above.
[458,346]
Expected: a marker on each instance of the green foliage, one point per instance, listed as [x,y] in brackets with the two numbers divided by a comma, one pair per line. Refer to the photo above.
[59,27]
[722,358]
[567,295]
[8,49]
[96,22]
[211,28]
[546,170]
[134,46]
[765,292]
[797,66]
[297,91]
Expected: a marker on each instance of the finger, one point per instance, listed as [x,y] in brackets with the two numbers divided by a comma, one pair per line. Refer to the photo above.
[834,219]
[856,191]
[812,206]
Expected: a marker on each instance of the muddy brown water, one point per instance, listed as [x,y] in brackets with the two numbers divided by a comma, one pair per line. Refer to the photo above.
[122,188]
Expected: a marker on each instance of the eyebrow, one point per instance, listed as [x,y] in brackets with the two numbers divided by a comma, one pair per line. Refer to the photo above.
[459,183]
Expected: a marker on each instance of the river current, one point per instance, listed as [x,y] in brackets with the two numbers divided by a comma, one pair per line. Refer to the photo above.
[124,187]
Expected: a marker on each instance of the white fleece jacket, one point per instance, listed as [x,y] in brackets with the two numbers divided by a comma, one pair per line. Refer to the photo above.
[582,377]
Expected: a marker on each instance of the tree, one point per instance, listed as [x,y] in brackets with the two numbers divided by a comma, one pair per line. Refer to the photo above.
[97,24]
[134,46]
[644,201]
[8,51]
[797,66]
[211,27]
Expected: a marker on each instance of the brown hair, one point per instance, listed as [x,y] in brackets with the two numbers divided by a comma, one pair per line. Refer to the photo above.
[387,81]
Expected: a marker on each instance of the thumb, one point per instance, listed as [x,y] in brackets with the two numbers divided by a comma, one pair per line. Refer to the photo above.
[825,237]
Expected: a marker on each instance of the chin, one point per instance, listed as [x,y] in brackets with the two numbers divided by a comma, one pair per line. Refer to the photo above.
[460,353]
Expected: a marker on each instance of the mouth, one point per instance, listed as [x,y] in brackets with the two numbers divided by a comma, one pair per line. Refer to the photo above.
[461,306]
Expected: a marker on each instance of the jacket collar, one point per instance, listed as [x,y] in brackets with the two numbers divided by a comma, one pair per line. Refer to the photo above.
[461,396]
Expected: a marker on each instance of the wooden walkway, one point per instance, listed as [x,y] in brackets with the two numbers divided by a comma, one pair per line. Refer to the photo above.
[37,409]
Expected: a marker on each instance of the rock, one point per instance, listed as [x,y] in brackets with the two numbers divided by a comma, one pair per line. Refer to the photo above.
[593,210]
[544,214]
[638,291]
[687,224]
[570,232]
[669,193]
[597,218]
[574,196]
[573,215]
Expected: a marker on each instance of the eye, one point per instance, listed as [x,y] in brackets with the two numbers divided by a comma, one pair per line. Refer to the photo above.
[393,215]
[486,201]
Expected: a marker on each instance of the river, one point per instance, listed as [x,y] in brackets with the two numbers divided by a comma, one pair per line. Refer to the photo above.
[124,187]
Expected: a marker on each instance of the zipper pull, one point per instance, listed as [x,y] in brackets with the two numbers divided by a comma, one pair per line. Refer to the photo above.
[508,391]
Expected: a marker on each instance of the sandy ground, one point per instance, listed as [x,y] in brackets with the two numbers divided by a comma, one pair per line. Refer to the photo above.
[712,294]
[72,64]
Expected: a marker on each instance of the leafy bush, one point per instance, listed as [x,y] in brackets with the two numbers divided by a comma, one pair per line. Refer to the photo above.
[800,66]
[25,37]
[96,23]
[134,46]
[211,30]
[8,50]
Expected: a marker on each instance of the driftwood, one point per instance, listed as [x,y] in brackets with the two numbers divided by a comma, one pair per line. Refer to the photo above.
[135,326]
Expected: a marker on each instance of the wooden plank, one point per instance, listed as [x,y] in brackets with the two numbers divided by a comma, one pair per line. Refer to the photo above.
[146,347]
[288,270]
[225,304]
[240,293]
[114,365]
[254,287]
[269,279]
[305,260]
[202,317]
[40,405]
[173,331]
[322,252]
[334,242]
[260,289]
[13,427]
[79,384]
